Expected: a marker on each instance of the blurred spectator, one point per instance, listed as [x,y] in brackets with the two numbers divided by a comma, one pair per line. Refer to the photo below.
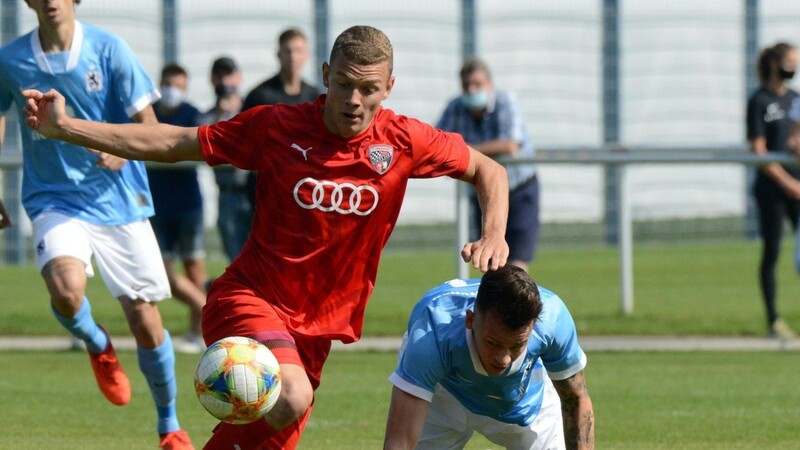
[491,122]
[777,187]
[235,212]
[286,86]
[178,222]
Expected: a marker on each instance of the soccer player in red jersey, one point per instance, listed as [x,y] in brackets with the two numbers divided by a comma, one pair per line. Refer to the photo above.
[333,174]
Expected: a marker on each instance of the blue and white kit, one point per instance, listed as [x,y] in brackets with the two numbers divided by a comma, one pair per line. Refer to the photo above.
[439,349]
[102,80]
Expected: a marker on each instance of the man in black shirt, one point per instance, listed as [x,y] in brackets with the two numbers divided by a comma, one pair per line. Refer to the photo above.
[286,86]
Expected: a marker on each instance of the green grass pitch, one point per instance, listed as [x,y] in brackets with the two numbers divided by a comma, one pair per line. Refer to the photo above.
[701,400]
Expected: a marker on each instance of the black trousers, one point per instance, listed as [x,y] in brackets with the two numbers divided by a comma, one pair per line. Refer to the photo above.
[774,206]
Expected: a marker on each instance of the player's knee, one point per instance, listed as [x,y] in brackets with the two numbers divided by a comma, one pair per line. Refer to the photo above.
[65,278]
[144,321]
[295,399]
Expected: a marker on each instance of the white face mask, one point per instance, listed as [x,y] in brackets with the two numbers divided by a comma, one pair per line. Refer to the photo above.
[475,101]
[172,97]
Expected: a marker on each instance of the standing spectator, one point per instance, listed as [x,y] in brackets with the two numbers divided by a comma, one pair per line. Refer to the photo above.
[235,212]
[777,187]
[499,356]
[338,170]
[491,122]
[85,203]
[178,203]
[286,86]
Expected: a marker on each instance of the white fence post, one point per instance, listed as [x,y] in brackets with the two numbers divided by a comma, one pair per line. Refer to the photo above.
[625,242]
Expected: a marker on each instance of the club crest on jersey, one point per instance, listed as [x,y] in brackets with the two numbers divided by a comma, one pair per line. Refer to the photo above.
[380,156]
[94,81]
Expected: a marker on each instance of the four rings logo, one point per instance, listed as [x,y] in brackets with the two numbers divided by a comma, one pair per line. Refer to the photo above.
[327,196]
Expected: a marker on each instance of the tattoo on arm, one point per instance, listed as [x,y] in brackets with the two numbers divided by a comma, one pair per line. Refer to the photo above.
[577,411]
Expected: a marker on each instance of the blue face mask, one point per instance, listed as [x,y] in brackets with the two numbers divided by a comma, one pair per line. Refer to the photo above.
[475,101]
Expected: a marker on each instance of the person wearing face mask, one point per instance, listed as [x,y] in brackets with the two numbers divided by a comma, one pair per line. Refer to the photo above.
[235,211]
[777,187]
[491,122]
[178,202]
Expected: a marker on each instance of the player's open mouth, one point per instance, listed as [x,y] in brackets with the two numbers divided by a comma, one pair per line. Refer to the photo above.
[351,117]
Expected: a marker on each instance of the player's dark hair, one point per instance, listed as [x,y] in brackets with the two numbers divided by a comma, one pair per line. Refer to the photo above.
[363,44]
[769,61]
[289,34]
[511,294]
[172,69]
[473,65]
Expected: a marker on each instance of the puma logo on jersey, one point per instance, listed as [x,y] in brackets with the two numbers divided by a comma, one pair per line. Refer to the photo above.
[302,150]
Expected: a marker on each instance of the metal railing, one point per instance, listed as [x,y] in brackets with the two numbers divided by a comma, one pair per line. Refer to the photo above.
[619,205]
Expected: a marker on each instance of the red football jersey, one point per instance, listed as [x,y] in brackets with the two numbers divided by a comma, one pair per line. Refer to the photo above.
[325,205]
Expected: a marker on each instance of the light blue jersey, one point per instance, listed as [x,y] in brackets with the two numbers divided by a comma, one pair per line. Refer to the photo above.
[103,81]
[440,349]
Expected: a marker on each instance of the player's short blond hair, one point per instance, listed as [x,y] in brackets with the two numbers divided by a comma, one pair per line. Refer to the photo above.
[363,44]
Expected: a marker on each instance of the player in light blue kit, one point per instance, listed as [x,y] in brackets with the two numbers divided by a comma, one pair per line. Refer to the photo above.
[85,203]
[479,355]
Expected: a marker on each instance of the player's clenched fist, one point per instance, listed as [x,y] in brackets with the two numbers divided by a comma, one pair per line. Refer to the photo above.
[44,111]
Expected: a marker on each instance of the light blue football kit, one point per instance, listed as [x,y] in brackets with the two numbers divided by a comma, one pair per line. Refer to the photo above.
[439,349]
[101,80]
[78,208]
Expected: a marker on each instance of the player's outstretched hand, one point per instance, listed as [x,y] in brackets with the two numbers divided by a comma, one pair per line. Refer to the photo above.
[44,112]
[5,220]
[487,253]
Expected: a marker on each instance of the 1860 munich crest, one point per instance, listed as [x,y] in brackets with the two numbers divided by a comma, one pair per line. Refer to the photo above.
[380,156]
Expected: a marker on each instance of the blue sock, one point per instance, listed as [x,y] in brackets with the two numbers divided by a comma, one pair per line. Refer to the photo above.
[83,327]
[158,367]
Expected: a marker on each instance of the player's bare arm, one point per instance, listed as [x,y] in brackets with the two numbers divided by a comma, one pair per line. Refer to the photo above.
[5,219]
[497,147]
[115,163]
[577,412]
[490,251]
[406,419]
[46,113]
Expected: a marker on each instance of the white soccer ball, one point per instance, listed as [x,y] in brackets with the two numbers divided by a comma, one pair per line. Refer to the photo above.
[237,380]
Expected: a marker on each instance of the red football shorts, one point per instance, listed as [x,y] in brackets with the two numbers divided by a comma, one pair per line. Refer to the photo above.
[235,310]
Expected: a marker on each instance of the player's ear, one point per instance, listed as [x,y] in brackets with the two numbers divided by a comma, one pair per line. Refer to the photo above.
[469,321]
[389,87]
[326,70]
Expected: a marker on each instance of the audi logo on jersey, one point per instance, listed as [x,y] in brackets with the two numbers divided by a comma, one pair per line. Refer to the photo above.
[328,196]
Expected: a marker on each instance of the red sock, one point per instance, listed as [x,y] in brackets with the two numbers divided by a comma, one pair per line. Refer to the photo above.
[257,435]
